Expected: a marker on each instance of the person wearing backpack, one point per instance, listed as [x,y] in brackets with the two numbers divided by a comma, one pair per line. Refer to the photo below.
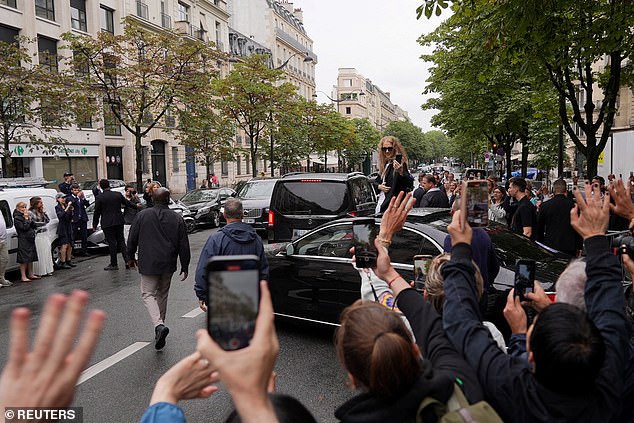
[395,372]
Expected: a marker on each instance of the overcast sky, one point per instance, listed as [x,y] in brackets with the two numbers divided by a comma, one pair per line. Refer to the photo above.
[378,38]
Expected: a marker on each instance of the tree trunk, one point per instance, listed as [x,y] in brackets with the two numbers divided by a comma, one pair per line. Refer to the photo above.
[524,158]
[138,149]
[254,159]
[325,160]
[509,168]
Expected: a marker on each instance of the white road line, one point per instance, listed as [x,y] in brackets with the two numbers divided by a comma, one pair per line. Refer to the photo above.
[95,369]
[195,312]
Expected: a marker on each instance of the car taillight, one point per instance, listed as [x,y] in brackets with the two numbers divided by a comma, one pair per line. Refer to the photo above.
[352,214]
[271,218]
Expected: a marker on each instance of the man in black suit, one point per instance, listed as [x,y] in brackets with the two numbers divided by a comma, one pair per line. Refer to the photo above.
[65,186]
[108,207]
[80,217]
[553,222]
[433,197]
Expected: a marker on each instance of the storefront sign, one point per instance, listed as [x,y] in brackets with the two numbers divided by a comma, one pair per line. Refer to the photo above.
[67,150]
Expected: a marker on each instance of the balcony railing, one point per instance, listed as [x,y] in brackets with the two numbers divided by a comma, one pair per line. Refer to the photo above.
[166,21]
[142,10]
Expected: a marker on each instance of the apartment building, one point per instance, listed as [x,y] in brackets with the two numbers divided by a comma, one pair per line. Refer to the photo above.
[618,156]
[355,96]
[103,148]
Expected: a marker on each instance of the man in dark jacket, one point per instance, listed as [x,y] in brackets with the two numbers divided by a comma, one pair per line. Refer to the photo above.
[420,191]
[433,197]
[66,185]
[108,207]
[578,359]
[553,222]
[161,237]
[236,238]
[80,217]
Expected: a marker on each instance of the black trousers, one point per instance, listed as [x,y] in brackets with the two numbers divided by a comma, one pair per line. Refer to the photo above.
[116,243]
[80,231]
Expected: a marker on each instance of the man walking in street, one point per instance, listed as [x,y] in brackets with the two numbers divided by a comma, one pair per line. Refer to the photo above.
[161,238]
[80,217]
[433,197]
[553,222]
[236,238]
[108,207]
[525,217]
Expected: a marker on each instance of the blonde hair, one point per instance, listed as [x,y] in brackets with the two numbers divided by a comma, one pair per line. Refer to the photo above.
[434,281]
[398,148]
[20,204]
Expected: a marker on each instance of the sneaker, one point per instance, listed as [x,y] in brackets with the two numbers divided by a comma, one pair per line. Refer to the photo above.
[161,332]
[111,267]
[71,264]
[66,266]
[6,283]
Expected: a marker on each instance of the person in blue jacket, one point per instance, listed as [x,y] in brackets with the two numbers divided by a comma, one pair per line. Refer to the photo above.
[236,238]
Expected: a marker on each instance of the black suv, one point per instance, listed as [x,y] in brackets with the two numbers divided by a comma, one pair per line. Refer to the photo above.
[303,201]
[256,198]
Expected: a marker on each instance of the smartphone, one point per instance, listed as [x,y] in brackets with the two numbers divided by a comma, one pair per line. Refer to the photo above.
[477,203]
[399,158]
[233,284]
[364,232]
[421,269]
[524,278]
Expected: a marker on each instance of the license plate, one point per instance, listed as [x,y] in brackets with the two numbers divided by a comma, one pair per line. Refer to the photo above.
[299,232]
[248,220]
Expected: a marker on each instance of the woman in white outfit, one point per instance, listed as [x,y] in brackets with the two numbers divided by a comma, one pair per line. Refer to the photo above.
[44,265]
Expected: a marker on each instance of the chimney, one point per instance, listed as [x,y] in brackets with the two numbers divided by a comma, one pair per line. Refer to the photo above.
[287,5]
[299,14]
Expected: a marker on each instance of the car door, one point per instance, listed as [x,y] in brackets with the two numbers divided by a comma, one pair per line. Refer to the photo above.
[308,285]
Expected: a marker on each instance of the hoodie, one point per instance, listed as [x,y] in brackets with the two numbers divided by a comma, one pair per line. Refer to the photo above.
[234,239]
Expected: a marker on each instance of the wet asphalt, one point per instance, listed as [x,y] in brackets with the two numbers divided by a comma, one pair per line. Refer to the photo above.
[307,367]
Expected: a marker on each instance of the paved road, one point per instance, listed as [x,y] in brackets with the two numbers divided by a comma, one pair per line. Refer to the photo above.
[307,367]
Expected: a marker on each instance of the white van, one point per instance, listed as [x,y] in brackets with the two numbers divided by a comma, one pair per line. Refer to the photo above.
[9,197]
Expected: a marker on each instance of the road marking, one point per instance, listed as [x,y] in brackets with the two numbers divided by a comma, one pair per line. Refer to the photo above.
[95,369]
[195,312]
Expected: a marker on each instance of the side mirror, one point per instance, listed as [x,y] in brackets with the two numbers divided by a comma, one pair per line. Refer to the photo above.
[290,249]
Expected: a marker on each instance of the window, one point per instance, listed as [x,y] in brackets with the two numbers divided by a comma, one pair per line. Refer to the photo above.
[78,14]
[45,9]
[111,125]
[107,19]
[347,82]
[80,65]
[333,241]
[110,74]
[238,165]
[183,12]
[218,37]
[224,168]
[7,213]
[142,9]
[10,3]
[407,243]
[170,120]
[47,53]
[313,197]
[247,160]
[84,119]
[174,159]
[348,110]
[8,35]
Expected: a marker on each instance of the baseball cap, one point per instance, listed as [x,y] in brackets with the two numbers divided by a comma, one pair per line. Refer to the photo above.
[68,174]
[60,195]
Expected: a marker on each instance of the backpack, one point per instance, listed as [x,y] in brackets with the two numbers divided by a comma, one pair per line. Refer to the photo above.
[457,410]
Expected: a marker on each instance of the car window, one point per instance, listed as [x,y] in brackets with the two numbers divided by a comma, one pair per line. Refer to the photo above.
[260,189]
[407,243]
[362,192]
[198,196]
[332,241]
[6,213]
[312,197]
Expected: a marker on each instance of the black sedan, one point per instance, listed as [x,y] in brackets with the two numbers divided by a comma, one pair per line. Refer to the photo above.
[205,204]
[312,278]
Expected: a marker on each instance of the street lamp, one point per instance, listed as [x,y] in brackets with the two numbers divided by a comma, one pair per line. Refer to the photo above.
[307,59]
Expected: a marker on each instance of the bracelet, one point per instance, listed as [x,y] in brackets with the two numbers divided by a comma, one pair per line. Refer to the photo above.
[389,284]
[386,243]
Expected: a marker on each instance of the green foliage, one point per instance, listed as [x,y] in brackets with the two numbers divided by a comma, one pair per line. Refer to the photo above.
[34,103]
[140,75]
[365,141]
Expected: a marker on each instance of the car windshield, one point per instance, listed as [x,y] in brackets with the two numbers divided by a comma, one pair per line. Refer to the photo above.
[254,190]
[199,196]
[88,185]
[313,197]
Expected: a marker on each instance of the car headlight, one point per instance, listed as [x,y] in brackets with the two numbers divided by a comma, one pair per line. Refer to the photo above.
[203,210]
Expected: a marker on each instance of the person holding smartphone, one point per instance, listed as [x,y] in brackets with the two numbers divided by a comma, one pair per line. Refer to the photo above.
[393,175]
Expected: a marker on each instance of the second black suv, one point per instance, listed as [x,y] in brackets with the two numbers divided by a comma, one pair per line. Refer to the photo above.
[303,201]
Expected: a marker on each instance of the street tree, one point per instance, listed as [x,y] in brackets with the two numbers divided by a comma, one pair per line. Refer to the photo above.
[365,141]
[35,101]
[584,48]
[142,76]
[251,96]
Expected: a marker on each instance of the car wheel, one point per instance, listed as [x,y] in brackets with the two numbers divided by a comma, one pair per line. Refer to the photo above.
[55,253]
[215,219]
[190,225]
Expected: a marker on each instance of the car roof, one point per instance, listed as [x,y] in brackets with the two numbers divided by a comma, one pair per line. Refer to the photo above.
[261,179]
[325,176]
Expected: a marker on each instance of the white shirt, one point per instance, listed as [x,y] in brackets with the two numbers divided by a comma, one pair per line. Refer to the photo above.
[3,230]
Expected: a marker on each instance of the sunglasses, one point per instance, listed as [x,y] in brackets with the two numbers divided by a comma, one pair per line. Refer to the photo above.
[386,149]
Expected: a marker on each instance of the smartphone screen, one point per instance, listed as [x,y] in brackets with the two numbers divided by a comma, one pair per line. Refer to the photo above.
[524,278]
[477,203]
[399,158]
[421,269]
[364,233]
[234,298]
